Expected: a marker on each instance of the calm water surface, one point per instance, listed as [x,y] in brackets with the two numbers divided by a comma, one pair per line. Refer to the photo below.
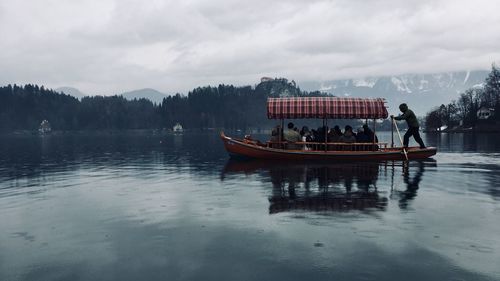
[132,207]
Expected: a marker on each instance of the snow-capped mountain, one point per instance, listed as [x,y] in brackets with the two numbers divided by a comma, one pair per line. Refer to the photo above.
[422,92]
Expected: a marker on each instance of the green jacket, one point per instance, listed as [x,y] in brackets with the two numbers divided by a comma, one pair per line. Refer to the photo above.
[291,135]
[410,117]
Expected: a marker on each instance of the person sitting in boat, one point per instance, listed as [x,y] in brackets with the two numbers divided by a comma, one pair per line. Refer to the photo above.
[322,134]
[361,137]
[306,134]
[348,136]
[275,136]
[338,130]
[314,134]
[368,135]
[334,134]
[413,126]
[292,136]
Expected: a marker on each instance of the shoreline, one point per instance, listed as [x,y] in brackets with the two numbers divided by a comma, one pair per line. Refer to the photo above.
[215,130]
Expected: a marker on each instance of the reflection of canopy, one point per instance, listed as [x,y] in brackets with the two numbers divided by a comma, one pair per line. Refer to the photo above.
[326,107]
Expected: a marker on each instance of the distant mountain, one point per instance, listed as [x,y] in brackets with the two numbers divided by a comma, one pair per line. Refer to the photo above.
[150,94]
[71,91]
[422,92]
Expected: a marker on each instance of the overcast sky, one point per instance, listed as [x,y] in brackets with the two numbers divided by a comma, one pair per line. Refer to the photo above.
[107,46]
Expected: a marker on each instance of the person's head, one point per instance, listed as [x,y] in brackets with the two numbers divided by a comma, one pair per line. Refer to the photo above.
[290,125]
[348,128]
[366,129]
[403,107]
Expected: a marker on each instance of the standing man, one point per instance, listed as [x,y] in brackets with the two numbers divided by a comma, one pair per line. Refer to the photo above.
[413,126]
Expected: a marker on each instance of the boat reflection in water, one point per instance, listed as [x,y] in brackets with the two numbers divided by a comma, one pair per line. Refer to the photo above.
[316,187]
[411,181]
[326,188]
[321,187]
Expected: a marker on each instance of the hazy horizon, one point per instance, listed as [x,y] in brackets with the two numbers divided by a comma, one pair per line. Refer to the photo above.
[300,84]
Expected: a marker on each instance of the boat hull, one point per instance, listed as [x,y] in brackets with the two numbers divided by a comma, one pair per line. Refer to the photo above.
[240,149]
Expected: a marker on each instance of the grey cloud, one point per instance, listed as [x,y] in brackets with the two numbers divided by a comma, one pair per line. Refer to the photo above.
[110,46]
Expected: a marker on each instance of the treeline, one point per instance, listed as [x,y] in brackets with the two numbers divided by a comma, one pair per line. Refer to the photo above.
[24,107]
[463,111]
[225,106]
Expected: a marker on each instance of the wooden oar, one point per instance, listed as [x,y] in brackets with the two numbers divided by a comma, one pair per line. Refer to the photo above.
[400,139]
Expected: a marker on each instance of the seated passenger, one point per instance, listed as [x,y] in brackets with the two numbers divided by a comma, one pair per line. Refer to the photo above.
[361,136]
[322,134]
[337,130]
[313,134]
[306,134]
[369,134]
[275,134]
[348,136]
[334,134]
[306,137]
[291,135]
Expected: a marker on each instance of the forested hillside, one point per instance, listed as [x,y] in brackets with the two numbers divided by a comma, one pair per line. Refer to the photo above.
[225,106]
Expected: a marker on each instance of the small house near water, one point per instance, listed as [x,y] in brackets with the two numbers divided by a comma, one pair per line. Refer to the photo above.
[177,128]
[485,113]
[44,127]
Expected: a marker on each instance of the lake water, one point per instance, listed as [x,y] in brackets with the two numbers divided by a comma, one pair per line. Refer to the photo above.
[146,207]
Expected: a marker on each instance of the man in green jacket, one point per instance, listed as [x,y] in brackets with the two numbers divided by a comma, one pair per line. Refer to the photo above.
[292,137]
[413,126]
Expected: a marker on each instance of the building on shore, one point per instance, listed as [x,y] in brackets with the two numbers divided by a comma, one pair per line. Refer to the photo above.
[485,113]
[177,128]
[266,79]
[44,127]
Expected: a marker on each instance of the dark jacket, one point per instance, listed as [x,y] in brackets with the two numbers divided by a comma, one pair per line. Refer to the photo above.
[409,116]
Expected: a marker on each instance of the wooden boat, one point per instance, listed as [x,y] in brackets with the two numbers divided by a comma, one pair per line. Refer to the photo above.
[324,108]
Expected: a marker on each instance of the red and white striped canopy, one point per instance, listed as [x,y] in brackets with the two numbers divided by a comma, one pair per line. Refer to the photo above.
[326,107]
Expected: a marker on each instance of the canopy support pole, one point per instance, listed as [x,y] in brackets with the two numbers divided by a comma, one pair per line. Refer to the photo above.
[392,132]
[325,123]
[281,133]
[374,131]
